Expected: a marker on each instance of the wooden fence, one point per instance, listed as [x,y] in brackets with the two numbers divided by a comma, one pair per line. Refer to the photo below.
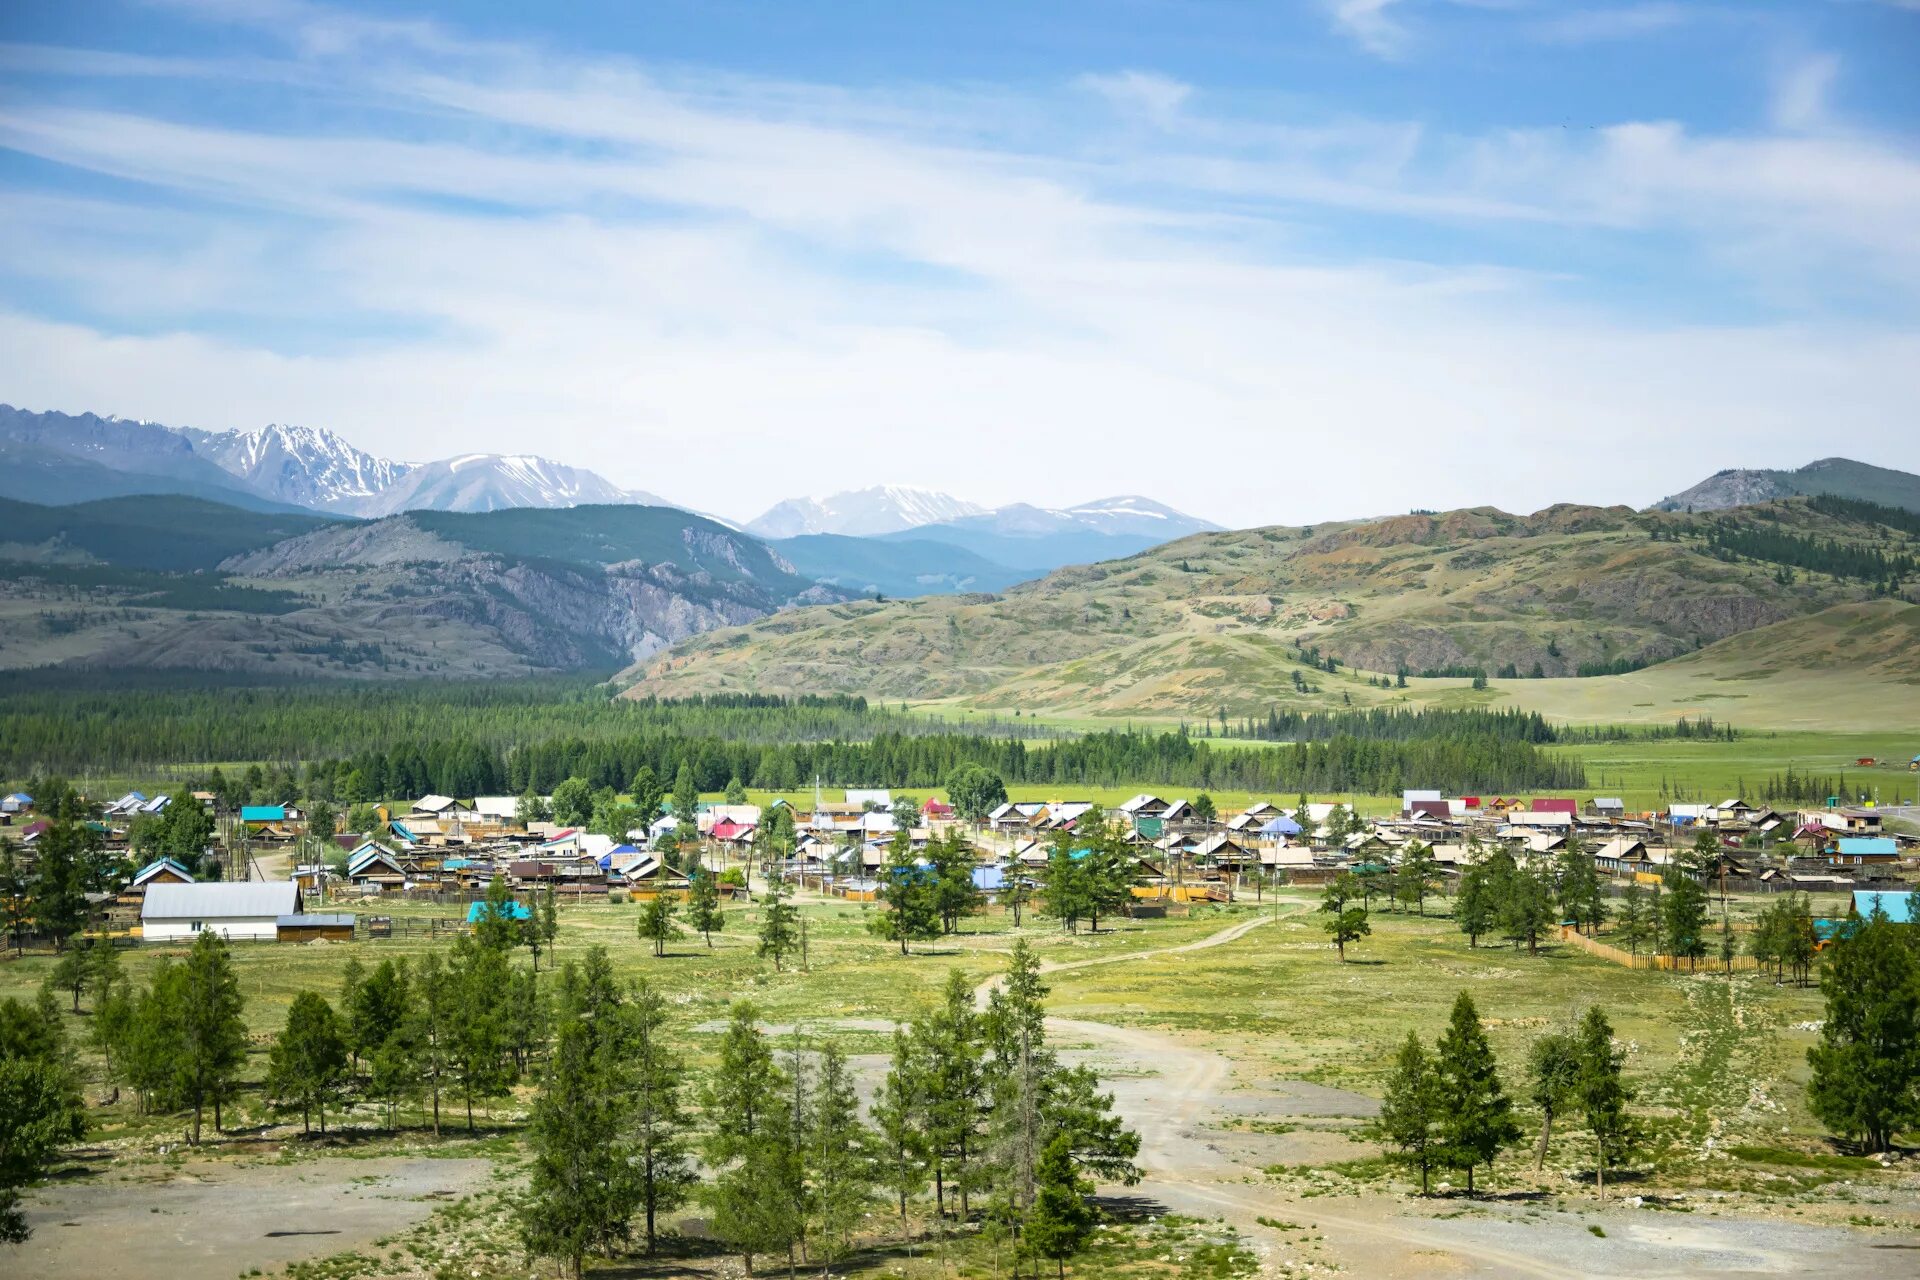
[1706,964]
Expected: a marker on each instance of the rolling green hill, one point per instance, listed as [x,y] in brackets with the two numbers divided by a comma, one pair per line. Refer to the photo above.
[1245,620]
[166,533]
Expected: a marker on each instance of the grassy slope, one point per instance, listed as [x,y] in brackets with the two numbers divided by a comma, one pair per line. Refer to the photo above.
[1214,620]
[161,532]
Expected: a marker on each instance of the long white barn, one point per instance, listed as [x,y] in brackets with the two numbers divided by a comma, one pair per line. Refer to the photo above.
[233,910]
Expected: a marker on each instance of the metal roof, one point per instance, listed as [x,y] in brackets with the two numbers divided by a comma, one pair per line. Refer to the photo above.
[220,900]
[316,922]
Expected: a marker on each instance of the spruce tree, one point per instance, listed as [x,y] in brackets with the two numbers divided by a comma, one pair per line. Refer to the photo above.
[749,1146]
[951,1045]
[477,1043]
[1475,909]
[1409,1110]
[1631,926]
[1526,911]
[1476,1115]
[1684,916]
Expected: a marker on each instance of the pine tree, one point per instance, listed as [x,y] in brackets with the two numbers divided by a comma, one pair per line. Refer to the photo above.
[1475,908]
[1064,894]
[1526,911]
[308,1062]
[954,894]
[654,1120]
[779,923]
[656,922]
[477,1041]
[1603,1096]
[951,1046]
[1631,927]
[1409,1110]
[686,807]
[431,1029]
[749,1145]
[1684,916]
[908,896]
[900,1111]
[704,915]
[1063,1216]
[1418,874]
[839,1159]
[208,1009]
[570,1206]
[1866,1068]
[1476,1116]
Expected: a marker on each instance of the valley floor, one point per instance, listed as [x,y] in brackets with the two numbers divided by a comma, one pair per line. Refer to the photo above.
[1245,1053]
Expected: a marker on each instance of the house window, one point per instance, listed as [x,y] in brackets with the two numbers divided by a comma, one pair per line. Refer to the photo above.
[195,926]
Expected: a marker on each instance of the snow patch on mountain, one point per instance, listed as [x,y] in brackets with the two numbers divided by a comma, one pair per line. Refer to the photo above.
[307,466]
[862,512]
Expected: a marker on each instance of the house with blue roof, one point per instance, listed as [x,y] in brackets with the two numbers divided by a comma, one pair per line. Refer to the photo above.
[1863,851]
[1897,906]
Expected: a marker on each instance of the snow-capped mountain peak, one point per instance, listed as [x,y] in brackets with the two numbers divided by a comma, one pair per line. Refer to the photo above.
[306,466]
[862,512]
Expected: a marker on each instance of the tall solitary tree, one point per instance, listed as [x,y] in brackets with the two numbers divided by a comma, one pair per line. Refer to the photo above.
[1866,1068]
[908,897]
[1476,1115]
[656,922]
[704,915]
[1346,920]
[779,923]
[207,1008]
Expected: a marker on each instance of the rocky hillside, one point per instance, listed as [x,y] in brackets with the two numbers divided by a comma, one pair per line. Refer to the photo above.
[1841,477]
[426,593]
[1225,619]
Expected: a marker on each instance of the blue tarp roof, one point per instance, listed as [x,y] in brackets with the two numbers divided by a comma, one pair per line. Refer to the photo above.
[987,879]
[1882,845]
[1281,826]
[1898,906]
[478,912]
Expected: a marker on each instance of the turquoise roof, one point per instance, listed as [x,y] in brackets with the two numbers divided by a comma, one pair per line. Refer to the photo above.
[263,813]
[478,912]
[1898,905]
[1881,846]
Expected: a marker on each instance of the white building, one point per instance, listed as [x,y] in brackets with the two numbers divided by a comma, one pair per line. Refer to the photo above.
[242,909]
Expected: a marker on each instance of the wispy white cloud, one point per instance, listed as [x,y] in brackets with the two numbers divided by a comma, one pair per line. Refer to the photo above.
[1145,93]
[1623,22]
[1800,97]
[1372,23]
[665,275]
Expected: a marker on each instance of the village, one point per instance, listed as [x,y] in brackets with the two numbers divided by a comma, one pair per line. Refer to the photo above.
[280,879]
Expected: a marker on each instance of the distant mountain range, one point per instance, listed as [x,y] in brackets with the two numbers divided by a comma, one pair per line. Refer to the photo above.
[59,457]
[861,513]
[1839,477]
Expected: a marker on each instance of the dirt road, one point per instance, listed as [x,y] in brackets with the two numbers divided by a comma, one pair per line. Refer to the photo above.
[1182,1097]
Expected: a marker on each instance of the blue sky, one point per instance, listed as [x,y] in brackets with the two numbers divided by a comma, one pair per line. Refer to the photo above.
[1269,262]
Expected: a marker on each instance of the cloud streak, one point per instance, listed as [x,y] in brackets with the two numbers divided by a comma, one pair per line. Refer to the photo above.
[722,287]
